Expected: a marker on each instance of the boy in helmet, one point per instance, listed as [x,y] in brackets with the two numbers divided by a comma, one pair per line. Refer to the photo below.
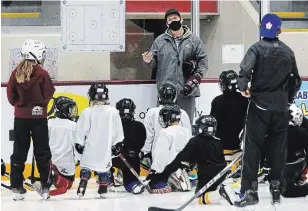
[134,138]
[99,134]
[229,110]
[171,140]
[167,95]
[61,142]
[29,91]
[205,150]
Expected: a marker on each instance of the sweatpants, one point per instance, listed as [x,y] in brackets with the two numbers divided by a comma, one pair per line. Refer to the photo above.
[25,129]
[188,104]
[259,123]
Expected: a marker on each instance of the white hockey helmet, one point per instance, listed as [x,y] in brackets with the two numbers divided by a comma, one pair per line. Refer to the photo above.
[33,50]
[296,115]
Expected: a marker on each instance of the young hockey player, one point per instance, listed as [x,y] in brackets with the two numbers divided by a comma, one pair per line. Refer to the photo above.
[99,134]
[206,151]
[171,140]
[61,142]
[167,95]
[134,138]
[229,110]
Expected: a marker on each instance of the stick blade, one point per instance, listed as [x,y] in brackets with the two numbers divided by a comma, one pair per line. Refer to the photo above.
[159,209]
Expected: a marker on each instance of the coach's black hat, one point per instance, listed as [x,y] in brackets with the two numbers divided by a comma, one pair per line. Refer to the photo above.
[171,12]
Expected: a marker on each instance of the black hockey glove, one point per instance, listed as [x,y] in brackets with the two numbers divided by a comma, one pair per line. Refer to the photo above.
[79,148]
[191,86]
[3,168]
[117,149]
[155,177]
[146,160]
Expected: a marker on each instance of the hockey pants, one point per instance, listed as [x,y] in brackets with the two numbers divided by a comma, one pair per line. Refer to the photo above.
[258,124]
[25,129]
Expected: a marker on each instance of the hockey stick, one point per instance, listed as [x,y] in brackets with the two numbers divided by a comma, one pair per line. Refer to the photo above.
[27,185]
[6,186]
[135,173]
[203,189]
[32,169]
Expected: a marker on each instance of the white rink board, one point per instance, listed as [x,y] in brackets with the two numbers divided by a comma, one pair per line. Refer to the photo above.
[144,96]
[93,25]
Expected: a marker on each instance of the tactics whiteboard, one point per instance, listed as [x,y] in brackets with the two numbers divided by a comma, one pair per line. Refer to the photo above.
[93,25]
[50,64]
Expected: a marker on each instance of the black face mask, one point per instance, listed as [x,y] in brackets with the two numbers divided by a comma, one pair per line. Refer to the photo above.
[175,25]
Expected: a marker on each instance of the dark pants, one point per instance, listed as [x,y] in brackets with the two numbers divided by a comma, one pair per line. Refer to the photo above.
[128,176]
[24,129]
[258,124]
[188,104]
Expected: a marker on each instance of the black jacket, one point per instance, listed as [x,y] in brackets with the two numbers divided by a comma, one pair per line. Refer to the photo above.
[271,67]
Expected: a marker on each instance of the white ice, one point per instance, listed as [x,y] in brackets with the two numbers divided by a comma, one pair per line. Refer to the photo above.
[122,201]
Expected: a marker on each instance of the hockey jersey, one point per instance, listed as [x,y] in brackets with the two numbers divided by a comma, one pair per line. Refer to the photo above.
[98,128]
[61,142]
[153,126]
[229,110]
[170,142]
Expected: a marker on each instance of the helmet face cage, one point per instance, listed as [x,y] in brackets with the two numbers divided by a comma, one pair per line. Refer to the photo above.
[228,81]
[167,94]
[296,115]
[98,92]
[169,114]
[126,109]
[65,108]
[207,125]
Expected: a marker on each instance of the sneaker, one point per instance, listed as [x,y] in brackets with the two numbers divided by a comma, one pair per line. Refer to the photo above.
[250,197]
[19,193]
[275,191]
[228,194]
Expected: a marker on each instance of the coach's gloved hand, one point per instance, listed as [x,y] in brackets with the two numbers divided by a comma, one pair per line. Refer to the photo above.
[3,168]
[191,86]
[79,148]
[117,149]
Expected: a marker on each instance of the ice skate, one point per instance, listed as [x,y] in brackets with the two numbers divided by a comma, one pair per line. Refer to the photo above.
[228,194]
[250,197]
[82,188]
[103,181]
[19,193]
[275,191]
[42,191]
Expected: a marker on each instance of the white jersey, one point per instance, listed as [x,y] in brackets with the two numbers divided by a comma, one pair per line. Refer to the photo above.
[98,129]
[153,127]
[61,142]
[170,142]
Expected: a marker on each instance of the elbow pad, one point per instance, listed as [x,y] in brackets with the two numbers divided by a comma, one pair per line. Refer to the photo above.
[191,86]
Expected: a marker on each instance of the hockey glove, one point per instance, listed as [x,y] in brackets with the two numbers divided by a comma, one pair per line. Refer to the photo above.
[155,177]
[3,168]
[117,149]
[79,148]
[191,86]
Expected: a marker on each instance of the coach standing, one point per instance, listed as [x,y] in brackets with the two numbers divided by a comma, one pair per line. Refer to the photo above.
[270,65]
[178,57]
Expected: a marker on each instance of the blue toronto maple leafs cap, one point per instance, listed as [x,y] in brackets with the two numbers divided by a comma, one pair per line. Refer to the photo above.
[270,25]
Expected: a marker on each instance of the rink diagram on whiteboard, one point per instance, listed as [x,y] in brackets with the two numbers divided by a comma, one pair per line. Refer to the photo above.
[50,63]
[93,26]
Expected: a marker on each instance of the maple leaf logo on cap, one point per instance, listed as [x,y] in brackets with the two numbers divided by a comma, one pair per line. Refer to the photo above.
[268,26]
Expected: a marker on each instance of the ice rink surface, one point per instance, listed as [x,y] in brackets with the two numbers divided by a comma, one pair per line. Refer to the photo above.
[123,201]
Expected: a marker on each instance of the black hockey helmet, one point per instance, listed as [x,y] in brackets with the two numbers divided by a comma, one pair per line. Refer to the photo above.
[228,81]
[167,94]
[65,108]
[126,109]
[169,114]
[98,92]
[206,125]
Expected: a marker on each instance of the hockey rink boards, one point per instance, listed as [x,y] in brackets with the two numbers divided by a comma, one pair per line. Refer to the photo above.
[123,201]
